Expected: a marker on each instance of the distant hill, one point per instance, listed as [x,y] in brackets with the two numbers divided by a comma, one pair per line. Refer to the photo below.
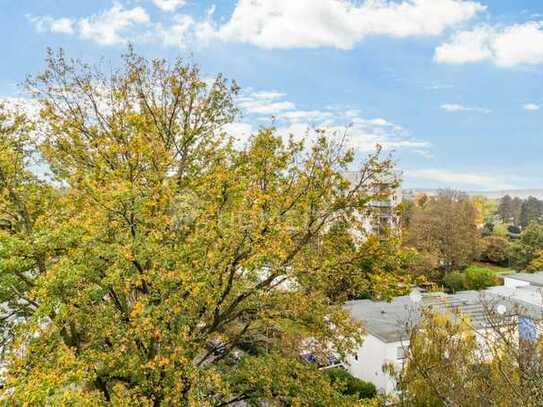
[521,193]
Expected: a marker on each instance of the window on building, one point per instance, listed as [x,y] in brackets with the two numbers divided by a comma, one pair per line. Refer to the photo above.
[400,352]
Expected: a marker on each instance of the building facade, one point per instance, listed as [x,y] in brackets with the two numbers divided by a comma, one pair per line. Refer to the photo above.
[382,214]
[387,323]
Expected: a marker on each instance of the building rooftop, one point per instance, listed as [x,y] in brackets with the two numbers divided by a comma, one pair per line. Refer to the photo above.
[390,321]
[535,279]
[529,294]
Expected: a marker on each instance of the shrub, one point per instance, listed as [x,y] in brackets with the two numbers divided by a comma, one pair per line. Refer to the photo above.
[473,278]
[424,264]
[477,278]
[455,281]
[350,385]
[536,264]
[533,236]
[525,250]
[521,255]
[495,249]
[487,229]
[500,230]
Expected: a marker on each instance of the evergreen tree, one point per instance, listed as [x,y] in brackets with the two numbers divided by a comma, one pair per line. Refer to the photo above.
[531,211]
[517,207]
[505,209]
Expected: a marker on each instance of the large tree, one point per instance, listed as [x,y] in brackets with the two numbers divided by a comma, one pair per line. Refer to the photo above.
[159,263]
[446,227]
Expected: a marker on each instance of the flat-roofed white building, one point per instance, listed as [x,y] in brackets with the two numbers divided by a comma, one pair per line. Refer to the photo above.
[523,280]
[387,325]
[524,294]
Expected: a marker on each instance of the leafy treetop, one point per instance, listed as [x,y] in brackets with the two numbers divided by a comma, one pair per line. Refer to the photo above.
[161,264]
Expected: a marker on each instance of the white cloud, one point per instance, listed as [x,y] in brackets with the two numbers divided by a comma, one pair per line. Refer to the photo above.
[373,122]
[454,178]
[321,23]
[107,28]
[264,103]
[267,108]
[460,108]
[110,27]
[362,134]
[338,23]
[350,113]
[239,131]
[274,23]
[361,139]
[169,5]
[305,116]
[176,34]
[518,44]
[272,95]
[466,46]
[366,139]
[531,107]
[62,25]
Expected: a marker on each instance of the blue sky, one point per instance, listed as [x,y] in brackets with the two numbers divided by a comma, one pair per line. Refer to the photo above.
[454,88]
